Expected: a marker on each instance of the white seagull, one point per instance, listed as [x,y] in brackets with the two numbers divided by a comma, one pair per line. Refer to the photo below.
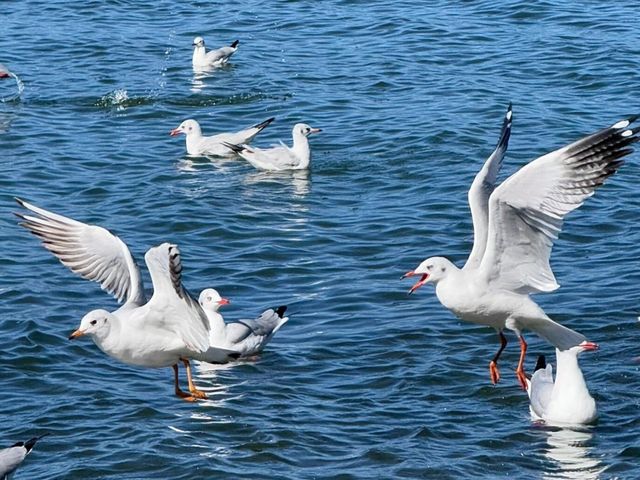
[212,58]
[280,158]
[197,144]
[12,457]
[169,328]
[514,229]
[567,400]
[248,337]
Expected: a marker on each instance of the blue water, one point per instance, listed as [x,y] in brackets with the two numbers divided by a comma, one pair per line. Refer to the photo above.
[364,381]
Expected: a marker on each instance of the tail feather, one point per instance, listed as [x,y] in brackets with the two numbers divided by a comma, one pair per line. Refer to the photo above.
[233,147]
[557,335]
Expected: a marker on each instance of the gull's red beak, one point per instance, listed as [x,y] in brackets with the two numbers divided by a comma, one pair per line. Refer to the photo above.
[223,301]
[589,346]
[76,334]
[175,131]
[419,283]
[315,130]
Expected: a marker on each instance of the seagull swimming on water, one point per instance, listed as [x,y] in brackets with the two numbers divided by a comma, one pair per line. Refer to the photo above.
[212,58]
[197,144]
[567,400]
[515,226]
[282,157]
[169,328]
[248,337]
[12,457]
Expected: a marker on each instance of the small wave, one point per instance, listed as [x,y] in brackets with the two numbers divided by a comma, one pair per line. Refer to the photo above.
[119,100]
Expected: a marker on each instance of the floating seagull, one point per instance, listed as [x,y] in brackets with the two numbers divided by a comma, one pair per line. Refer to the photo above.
[4,71]
[12,457]
[198,145]
[248,337]
[567,400]
[514,229]
[279,158]
[169,328]
[213,58]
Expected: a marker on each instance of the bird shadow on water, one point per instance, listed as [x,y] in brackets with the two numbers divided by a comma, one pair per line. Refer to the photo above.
[569,451]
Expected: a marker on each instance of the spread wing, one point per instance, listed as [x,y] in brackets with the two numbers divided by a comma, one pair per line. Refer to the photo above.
[526,212]
[172,307]
[92,252]
[480,191]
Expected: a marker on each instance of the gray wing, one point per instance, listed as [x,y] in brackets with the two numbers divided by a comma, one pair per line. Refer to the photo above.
[480,191]
[267,324]
[10,458]
[90,251]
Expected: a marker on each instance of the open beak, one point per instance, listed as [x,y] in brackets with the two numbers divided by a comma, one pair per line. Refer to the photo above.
[223,301]
[76,334]
[589,346]
[315,130]
[175,131]
[419,283]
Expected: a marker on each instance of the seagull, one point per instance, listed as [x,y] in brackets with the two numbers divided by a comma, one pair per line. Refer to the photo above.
[199,145]
[567,400]
[248,337]
[4,71]
[515,226]
[279,158]
[169,328]
[12,457]
[213,58]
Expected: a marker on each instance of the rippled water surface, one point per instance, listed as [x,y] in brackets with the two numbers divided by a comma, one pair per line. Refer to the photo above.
[364,381]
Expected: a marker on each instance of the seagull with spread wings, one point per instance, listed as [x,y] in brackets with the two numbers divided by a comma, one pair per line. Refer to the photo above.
[515,226]
[169,328]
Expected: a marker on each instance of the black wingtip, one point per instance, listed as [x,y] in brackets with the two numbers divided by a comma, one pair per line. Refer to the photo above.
[233,147]
[235,44]
[265,123]
[280,310]
[19,201]
[541,363]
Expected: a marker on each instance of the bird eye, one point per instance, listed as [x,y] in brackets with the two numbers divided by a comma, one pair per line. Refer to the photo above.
[442,269]
[429,267]
[93,322]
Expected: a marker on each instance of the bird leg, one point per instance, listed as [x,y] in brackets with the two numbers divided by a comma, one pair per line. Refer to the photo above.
[494,373]
[522,378]
[184,395]
[192,388]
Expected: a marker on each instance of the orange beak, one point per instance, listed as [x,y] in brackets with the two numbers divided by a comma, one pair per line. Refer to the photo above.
[175,132]
[224,301]
[76,334]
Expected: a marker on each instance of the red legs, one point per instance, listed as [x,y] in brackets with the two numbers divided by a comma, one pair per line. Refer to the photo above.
[522,378]
[192,388]
[494,373]
[179,392]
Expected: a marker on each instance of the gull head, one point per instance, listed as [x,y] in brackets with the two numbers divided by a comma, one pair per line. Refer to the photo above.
[198,42]
[96,323]
[432,270]
[188,127]
[210,300]
[304,130]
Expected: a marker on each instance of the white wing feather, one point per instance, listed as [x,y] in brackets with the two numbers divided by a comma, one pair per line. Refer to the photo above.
[480,191]
[90,251]
[526,212]
[174,308]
